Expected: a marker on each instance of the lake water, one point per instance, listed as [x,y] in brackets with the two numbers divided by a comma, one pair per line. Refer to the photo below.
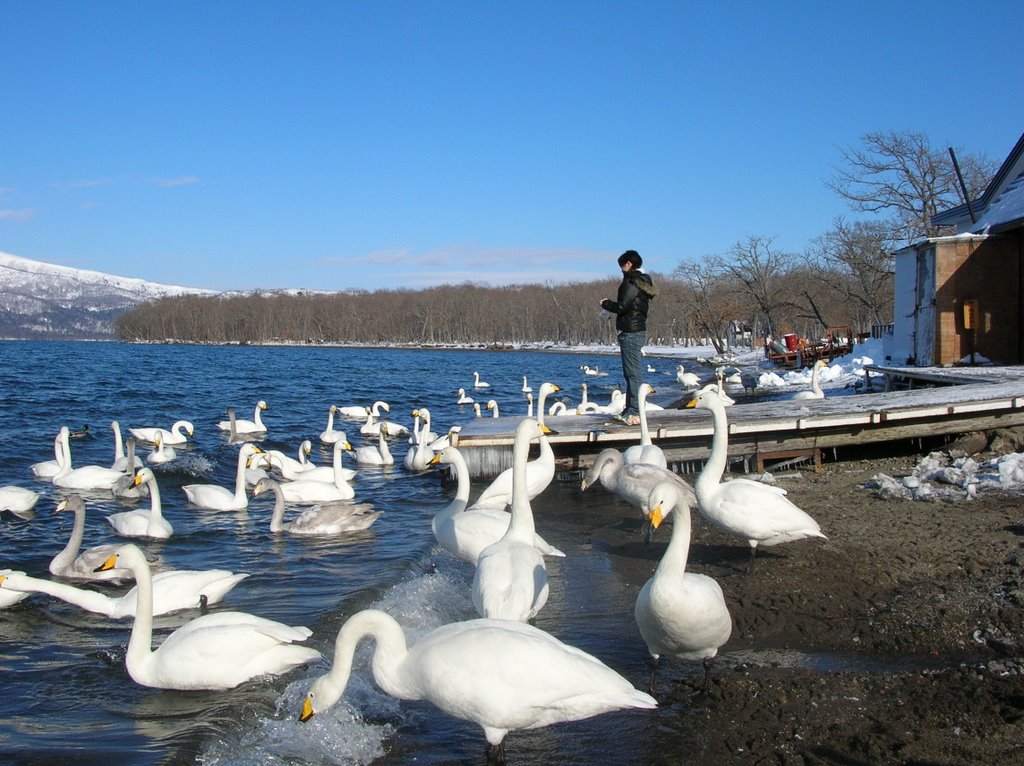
[66,694]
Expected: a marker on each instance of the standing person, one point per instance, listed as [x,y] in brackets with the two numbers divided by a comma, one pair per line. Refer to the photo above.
[630,306]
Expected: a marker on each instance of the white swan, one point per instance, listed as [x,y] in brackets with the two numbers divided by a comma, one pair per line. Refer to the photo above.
[646,451]
[463,398]
[476,410]
[76,564]
[376,455]
[172,591]
[292,468]
[539,472]
[216,498]
[686,379]
[529,404]
[324,519]
[139,523]
[511,580]
[492,405]
[467,532]
[216,651]
[10,597]
[174,436]
[125,488]
[18,500]
[326,473]
[632,482]
[161,453]
[47,469]
[815,392]
[85,477]
[526,386]
[120,459]
[759,513]
[418,457]
[499,674]
[477,383]
[316,489]
[329,435]
[679,613]
[371,427]
[247,427]
[719,387]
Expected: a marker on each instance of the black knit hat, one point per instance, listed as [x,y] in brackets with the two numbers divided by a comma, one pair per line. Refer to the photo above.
[632,256]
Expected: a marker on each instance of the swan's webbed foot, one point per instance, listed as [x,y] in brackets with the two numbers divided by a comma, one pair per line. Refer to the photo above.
[496,753]
[750,564]
[653,683]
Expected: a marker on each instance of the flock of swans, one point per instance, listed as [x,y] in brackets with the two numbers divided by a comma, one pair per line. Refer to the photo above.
[497,671]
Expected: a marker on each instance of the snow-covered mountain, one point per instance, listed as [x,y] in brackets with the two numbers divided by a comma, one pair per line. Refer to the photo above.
[43,300]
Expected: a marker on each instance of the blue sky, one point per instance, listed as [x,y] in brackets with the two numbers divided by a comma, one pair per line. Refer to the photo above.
[336,145]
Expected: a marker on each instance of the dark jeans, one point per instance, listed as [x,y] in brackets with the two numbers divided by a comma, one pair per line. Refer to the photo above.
[630,345]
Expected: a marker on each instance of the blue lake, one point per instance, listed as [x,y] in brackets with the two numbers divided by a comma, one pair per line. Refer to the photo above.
[66,693]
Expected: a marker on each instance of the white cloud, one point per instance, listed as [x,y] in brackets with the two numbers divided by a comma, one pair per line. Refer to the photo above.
[16,215]
[167,183]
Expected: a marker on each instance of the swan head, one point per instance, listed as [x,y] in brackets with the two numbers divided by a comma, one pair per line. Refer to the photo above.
[333,409]
[663,499]
[322,694]
[262,405]
[144,474]
[707,398]
[70,503]
[263,485]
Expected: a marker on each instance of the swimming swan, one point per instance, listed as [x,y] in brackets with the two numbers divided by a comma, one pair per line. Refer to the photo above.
[467,532]
[499,674]
[329,435]
[646,451]
[47,469]
[215,651]
[161,453]
[325,519]
[85,477]
[315,490]
[139,523]
[539,472]
[174,437]
[172,591]
[376,455]
[463,398]
[511,580]
[326,473]
[679,613]
[217,498]
[815,392]
[74,563]
[757,512]
[248,427]
[120,459]
[477,383]
[18,500]
[419,455]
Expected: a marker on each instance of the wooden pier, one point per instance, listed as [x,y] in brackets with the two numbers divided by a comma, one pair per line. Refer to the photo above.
[761,433]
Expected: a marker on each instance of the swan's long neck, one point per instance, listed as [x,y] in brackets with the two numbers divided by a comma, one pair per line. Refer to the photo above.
[65,451]
[118,442]
[521,526]
[678,551]
[140,644]
[130,468]
[278,515]
[257,418]
[90,600]
[645,434]
[243,455]
[330,419]
[715,466]
[339,478]
[388,655]
[457,505]
[382,445]
[156,510]
[815,384]
[66,556]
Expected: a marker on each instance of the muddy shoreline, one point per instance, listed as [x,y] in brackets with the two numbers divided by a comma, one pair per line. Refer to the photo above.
[897,640]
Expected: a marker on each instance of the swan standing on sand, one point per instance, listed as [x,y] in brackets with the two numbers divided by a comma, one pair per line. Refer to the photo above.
[243,427]
[139,523]
[511,580]
[759,513]
[324,519]
[467,532]
[174,437]
[815,392]
[216,651]
[632,482]
[172,591]
[217,498]
[74,563]
[646,451]
[679,613]
[47,469]
[477,383]
[501,675]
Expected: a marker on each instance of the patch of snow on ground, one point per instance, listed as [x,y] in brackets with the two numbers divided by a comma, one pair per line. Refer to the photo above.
[940,477]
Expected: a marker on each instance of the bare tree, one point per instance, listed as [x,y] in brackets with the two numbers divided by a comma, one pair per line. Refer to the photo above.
[901,175]
[760,269]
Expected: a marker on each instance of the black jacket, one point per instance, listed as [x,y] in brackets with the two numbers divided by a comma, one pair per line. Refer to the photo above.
[635,292]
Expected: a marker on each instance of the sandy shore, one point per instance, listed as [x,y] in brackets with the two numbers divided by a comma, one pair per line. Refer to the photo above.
[897,640]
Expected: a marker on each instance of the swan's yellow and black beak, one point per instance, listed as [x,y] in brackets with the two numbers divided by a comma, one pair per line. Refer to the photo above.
[61,506]
[110,563]
[347,447]
[656,516]
[307,710]
[692,403]
[137,480]
[436,459]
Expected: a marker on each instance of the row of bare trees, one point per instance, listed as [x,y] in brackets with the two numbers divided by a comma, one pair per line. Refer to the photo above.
[844,277]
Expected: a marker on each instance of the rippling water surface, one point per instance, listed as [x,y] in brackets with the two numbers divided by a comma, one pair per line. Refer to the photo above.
[66,694]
